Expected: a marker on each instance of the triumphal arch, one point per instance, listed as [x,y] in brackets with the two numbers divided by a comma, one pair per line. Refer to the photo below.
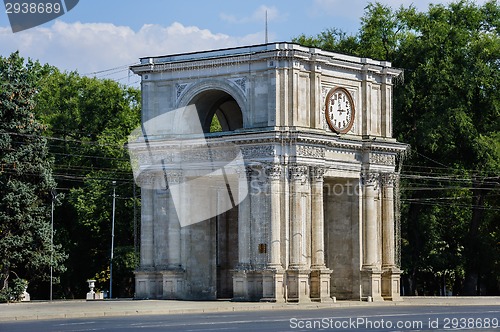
[267,172]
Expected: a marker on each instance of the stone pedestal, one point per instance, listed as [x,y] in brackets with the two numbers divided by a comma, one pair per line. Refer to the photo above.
[320,285]
[391,284]
[298,286]
[273,286]
[147,284]
[173,284]
[240,285]
[371,284]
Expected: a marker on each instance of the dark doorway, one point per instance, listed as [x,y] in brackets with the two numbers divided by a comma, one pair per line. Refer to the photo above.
[226,251]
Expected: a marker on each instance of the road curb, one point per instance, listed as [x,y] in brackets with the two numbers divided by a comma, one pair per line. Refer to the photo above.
[74,309]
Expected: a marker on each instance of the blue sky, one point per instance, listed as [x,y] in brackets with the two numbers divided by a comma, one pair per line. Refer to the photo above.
[98,35]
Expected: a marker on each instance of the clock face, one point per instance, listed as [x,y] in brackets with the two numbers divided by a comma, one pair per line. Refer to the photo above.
[339,110]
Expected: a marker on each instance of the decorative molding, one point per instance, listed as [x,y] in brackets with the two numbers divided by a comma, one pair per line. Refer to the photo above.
[174,177]
[241,82]
[147,180]
[310,151]
[257,151]
[382,159]
[179,88]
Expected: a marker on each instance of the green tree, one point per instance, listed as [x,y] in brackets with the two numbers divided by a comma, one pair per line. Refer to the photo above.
[89,121]
[25,180]
[448,108]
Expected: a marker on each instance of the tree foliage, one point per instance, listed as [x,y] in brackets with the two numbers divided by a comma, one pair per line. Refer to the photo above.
[88,121]
[25,180]
[448,109]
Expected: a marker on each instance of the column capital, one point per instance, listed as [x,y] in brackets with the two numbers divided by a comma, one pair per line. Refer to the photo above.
[174,176]
[298,172]
[245,172]
[370,178]
[273,172]
[317,173]
[389,179]
[147,180]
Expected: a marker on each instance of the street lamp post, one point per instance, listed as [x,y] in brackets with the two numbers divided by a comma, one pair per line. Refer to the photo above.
[112,243]
[54,197]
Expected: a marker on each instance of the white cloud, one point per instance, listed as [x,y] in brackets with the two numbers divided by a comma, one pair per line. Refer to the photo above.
[257,16]
[90,47]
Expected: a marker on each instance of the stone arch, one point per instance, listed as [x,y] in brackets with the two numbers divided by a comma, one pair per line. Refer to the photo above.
[217,97]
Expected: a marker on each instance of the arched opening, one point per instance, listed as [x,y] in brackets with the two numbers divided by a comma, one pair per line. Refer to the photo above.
[218,111]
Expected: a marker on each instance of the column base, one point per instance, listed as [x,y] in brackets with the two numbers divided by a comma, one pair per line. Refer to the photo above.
[273,286]
[148,284]
[371,280]
[240,286]
[298,287]
[173,284]
[320,285]
[391,284]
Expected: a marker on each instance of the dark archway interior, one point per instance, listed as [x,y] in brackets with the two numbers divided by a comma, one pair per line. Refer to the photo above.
[218,103]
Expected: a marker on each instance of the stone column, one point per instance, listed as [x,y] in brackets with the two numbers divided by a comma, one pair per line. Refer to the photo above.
[147,227]
[390,272]
[320,275]
[371,274]
[388,220]
[173,277]
[274,176]
[174,227]
[240,274]
[297,275]
[145,275]
[273,276]
[318,222]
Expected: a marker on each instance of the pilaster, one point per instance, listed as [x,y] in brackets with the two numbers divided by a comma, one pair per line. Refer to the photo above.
[240,274]
[371,273]
[390,272]
[298,176]
[320,275]
[273,173]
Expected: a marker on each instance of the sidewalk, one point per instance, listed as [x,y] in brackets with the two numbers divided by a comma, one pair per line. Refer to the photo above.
[62,309]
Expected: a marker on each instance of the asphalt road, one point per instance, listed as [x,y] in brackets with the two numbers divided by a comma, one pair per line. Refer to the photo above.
[407,318]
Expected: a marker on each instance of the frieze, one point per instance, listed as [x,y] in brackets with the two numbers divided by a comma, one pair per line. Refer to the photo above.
[310,151]
[382,159]
[258,151]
